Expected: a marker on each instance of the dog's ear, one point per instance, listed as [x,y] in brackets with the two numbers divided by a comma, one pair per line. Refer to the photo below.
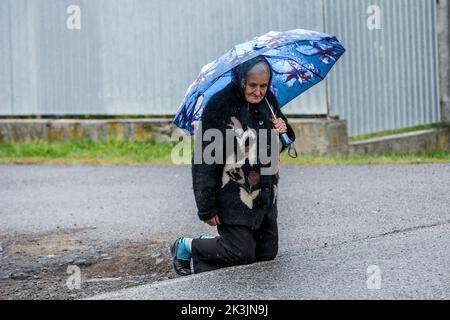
[247,198]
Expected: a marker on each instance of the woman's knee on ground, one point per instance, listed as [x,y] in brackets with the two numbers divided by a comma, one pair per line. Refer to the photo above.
[266,255]
[243,256]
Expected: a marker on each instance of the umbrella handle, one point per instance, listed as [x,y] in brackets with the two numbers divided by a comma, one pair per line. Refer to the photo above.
[284,137]
[270,108]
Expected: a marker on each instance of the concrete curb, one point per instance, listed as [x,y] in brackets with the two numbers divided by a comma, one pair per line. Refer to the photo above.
[319,136]
[426,140]
[29,130]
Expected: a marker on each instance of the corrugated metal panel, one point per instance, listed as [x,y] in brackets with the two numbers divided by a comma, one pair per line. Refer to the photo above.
[387,79]
[5,56]
[140,56]
[137,57]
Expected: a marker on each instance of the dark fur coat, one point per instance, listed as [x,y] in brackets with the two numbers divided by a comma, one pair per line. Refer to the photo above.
[238,193]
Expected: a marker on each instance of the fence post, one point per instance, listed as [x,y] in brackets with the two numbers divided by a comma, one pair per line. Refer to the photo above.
[443,26]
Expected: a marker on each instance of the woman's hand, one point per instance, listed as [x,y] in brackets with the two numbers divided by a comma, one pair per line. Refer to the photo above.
[213,221]
[280,125]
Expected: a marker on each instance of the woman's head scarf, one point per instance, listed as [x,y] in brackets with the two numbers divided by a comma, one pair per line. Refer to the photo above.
[240,72]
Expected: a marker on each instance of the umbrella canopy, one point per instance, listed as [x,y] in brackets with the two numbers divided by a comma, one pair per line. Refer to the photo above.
[299,59]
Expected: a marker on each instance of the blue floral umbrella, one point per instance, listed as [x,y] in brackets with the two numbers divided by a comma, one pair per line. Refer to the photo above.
[299,60]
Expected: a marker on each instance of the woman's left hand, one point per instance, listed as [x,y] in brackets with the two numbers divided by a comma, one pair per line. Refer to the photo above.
[280,125]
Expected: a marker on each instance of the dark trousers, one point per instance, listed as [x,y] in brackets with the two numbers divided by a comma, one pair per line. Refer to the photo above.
[236,245]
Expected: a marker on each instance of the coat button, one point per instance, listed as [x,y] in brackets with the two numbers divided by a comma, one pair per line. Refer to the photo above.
[261,123]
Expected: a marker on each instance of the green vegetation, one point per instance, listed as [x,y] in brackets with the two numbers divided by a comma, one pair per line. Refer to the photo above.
[105,152]
[126,152]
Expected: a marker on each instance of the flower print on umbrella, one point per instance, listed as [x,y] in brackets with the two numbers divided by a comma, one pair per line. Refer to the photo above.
[331,40]
[274,90]
[197,110]
[205,73]
[238,55]
[327,54]
[207,70]
[270,40]
[294,72]
[273,39]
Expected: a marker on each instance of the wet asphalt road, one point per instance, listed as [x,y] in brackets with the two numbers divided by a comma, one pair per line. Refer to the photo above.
[334,223]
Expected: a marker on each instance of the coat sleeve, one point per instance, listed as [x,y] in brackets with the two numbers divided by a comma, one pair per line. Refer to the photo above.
[206,178]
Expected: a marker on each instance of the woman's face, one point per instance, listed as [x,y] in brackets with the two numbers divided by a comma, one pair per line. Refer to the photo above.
[256,86]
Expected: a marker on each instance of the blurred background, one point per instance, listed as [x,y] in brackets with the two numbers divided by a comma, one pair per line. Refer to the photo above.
[138,57]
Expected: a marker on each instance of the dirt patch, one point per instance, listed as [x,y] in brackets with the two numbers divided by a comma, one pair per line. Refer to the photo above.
[48,245]
[49,266]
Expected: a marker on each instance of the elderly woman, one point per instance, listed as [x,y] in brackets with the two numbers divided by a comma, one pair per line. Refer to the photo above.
[236,198]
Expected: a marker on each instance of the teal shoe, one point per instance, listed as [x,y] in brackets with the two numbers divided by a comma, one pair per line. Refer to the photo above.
[182,267]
